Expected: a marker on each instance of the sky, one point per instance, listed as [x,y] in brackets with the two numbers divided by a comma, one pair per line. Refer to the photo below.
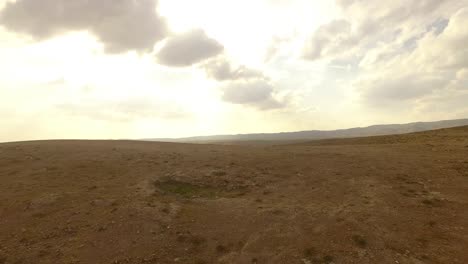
[115,69]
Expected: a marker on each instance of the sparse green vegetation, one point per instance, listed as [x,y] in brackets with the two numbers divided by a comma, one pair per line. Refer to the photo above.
[360,241]
[186,190]
[310,252]
[219,173]
[428,202]
[221,249]
[327,259]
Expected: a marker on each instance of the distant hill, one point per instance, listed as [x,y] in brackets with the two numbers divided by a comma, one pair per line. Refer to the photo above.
[444,136]
[375,130]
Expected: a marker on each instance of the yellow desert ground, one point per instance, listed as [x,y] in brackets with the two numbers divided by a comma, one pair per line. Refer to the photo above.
[388,199]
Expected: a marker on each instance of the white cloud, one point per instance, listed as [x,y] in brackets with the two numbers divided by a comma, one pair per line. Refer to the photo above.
[406,55]
[433,64]
[330,39]
[462,74]
[365,24]
[387,89]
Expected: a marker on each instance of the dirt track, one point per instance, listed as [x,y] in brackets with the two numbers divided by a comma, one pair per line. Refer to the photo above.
[396,199]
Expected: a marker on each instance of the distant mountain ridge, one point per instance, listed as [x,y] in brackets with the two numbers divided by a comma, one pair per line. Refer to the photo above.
[375,130]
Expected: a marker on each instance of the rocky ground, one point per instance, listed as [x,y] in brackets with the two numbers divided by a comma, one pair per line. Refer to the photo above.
[392,199]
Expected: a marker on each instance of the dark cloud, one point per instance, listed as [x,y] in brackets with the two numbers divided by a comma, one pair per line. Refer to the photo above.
[221,69]
[121,25]
[255,93]
[188,48]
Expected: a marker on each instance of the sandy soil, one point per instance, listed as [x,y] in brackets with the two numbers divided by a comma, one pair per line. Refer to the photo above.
[395,199]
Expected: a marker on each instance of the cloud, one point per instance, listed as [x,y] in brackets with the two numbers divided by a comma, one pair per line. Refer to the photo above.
[435,68]
[221,69]
[447,50]
[121,25]
[367,24]
[242,85]
[462,74]
[255,93]
[444,104]
[400,88]
[331,38]
[406,56]
[276,46]
[188,48]
[345,3]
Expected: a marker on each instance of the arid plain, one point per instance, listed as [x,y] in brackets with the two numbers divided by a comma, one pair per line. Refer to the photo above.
[387,199]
